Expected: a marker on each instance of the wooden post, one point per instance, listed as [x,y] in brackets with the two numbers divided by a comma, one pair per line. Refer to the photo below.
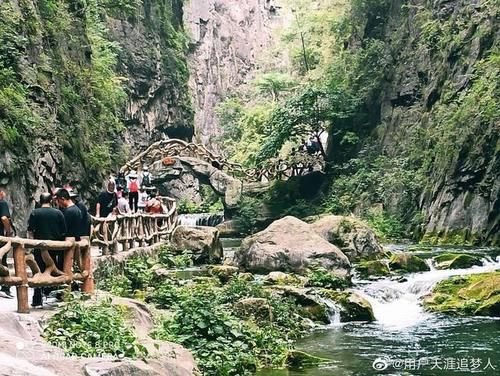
[88,282]
[68,261]
[105,249]
[22,290]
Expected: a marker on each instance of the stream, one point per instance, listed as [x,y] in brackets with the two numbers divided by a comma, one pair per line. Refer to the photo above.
[404,339]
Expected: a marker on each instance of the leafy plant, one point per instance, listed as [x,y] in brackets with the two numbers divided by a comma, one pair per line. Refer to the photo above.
[91,329]
[320,277]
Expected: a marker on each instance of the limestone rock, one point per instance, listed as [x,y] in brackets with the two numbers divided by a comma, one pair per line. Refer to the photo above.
[289,245]
[472,295]
[223,272]
[374,268]
[257,307]
[312,305]
[280,278]
[201,240]
[456,261]
[353,307]
[223,184]
[350,234]
[408,263]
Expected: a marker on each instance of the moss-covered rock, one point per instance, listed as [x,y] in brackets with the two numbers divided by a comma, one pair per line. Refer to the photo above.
[299,359]
[375,268]
[311,305]
[353,306]
[223,272]
[280,278]
[477,294]
[456,261]
[256,307]
[408,263]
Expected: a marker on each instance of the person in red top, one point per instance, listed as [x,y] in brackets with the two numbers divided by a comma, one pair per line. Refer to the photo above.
[154,205]
[133,189]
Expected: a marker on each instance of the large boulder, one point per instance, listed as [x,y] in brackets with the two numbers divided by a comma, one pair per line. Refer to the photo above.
[352,236]
[456,261]
[24,352]
[373,268]
[473,295]
[353,307]
[289,245]
[203,241]
[407,262]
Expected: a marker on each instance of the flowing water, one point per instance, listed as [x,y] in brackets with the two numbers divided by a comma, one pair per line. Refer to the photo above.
[200,219]
[404,339]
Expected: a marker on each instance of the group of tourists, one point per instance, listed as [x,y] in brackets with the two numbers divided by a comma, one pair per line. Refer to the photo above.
[128,194]
[59,215]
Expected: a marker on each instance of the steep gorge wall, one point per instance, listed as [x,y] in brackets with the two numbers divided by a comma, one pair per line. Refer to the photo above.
[229,41]
[439,103]
[84,85]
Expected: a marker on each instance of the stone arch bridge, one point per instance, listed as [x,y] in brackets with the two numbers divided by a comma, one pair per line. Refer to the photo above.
[171,159]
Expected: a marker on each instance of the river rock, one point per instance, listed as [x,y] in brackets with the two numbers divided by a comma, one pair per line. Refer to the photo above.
[290,245]
[374,268]
[203,241]
[312,306]
[350,234]
[408,263]
[257,307]
[280,278]
[223,272]
[353,307]
[300,359]
[472,295]
[456,261]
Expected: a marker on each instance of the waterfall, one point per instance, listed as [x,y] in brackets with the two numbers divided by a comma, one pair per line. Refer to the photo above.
[333,310]
[200,219]
[398,305]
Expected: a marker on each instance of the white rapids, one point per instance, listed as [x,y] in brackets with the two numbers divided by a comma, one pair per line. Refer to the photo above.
[397,305]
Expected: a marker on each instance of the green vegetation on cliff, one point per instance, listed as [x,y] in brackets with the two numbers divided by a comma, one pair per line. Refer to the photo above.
[408,94]
[63,85]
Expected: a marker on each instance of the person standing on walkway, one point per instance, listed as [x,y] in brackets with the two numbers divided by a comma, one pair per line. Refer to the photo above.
[73,219]
[5,230]
[107,201]
[46,223]
[143,200]
[72,215]
[133,191]
[123,204]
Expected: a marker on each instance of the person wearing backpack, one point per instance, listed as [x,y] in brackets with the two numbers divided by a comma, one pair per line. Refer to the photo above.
[133,191]
[145,177]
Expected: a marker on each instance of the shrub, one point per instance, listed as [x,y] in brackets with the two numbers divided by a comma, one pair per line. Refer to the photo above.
[93,329]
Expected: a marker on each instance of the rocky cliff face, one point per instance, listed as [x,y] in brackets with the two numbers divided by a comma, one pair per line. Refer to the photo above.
[152,58]
[230,39]
[84,85]
[439,100]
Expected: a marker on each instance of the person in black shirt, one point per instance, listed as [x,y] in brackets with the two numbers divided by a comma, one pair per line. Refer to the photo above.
[5,230]
[72,214]
[86,220]
[46,223]
[107,201]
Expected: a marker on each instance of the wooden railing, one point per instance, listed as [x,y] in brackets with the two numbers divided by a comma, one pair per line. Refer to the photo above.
[22,281]
[123,232]
[274,169]
[126,232]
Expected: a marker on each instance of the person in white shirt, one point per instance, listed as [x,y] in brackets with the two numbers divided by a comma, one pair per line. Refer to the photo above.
[123,204]
[143,200]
